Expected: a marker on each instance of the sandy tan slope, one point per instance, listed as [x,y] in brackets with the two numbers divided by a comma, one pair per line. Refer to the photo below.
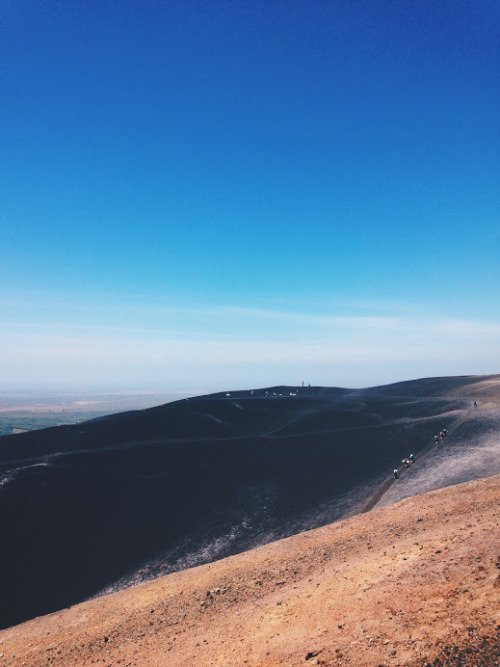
[408,584]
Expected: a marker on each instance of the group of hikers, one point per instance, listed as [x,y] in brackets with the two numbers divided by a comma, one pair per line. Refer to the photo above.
[440,436]
[411,459]
[407,463]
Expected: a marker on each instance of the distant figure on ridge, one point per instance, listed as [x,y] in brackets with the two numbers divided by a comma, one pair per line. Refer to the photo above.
[436,439]
[475,404]
[396,475]
[412,458]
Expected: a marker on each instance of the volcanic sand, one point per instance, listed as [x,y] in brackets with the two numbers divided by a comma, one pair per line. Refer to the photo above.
[409,584]
[99,506]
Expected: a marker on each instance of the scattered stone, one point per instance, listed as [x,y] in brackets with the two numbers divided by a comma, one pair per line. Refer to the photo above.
[312,654]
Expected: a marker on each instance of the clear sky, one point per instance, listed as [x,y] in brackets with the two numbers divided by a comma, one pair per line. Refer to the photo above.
[207,194]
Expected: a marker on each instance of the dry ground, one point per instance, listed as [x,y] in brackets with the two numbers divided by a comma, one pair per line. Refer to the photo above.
[411,584]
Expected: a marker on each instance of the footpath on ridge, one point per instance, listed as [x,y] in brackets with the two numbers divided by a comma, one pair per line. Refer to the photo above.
[432,447]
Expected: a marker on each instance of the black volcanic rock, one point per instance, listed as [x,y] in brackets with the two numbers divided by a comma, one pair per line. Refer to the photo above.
[122,498]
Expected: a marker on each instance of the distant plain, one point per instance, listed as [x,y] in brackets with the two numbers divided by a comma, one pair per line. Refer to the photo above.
[29,410]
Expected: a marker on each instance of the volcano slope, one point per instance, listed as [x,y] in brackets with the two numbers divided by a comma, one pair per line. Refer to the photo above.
[97,506]
[414,584]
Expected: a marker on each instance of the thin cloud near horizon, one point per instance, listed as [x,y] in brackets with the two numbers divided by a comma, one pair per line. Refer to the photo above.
[371,350]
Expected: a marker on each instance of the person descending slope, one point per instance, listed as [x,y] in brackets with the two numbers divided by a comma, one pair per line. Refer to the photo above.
[412,458]
[396,474]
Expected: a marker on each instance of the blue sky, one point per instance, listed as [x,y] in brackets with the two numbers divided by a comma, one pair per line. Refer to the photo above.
[198,195]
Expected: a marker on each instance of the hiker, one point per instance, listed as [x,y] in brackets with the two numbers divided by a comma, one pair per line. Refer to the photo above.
[406,462]
[412,458]
[444,431]
[475,404]
[436,439]
[396,475]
